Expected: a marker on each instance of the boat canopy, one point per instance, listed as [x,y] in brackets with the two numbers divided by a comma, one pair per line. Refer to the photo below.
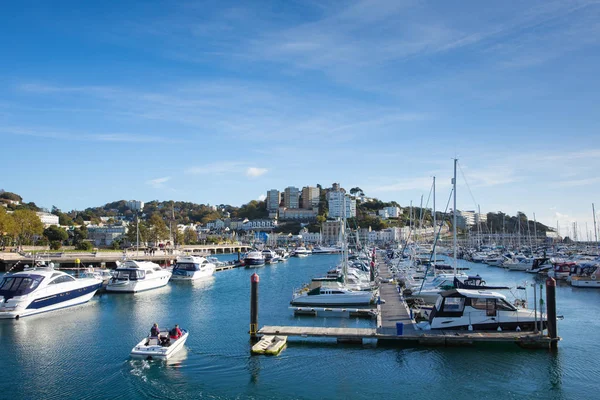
[19,285]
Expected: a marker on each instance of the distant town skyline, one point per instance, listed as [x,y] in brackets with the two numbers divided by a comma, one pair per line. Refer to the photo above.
[221,102]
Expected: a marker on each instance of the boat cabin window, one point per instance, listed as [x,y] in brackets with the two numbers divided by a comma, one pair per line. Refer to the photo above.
[479,304]
[454,304]
[19,285]
[186,267]
[62,279]
[503,305]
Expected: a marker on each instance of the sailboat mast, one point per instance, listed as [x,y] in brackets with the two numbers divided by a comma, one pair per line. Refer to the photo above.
[137,235]
[535,230]
[434,225]
[595,229]
[454,216]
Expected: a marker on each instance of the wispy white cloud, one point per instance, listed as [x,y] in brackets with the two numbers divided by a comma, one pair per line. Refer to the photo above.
[84,136]
[158,183]
[254,172]
[262,197]
[576,182]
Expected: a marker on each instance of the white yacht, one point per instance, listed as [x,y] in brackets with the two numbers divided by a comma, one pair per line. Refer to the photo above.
[136,276]
[283,254]
[331,295]
[42,289]
[254,258]
[326,250]
[189,268]
[271,257]
[479,310]
[301,252]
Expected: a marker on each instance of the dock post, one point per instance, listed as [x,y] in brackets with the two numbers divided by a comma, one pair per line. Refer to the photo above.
[77,263]
[239,256]
[551,307]
[254,279]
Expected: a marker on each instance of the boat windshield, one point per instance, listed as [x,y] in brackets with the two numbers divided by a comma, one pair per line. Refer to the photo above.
[131,274]
[186,267]
[19,285]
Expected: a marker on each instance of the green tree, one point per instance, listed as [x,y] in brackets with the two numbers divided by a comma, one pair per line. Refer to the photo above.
[132,232]
[27,225]
[158,229]
[190,236]
[7,227]
[79,235]
[56,236]
[11,196]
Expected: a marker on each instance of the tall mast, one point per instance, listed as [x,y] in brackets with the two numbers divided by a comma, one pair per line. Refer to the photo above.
[454,216]
[137,232]
[595,229]
[535,229]
[478,219]
[434,226]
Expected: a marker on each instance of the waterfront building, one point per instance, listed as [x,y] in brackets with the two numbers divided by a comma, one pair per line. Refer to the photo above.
[291,197]
[310,197]
[48,219]
[336,202]
[105,235]
[135,205]
[310,237]
[331,232]
[260,225]
[273,200]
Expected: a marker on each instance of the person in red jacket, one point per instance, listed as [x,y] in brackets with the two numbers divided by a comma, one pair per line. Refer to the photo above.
[175,333]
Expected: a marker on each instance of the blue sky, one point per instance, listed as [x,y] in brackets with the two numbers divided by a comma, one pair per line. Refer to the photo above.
[217,101]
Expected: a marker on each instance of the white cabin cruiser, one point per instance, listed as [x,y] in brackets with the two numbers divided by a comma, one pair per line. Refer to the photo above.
[136,276]
[301,252]
[161,347]
[334,295]
[479,310]
[271,257]
[42,289]
[189,268]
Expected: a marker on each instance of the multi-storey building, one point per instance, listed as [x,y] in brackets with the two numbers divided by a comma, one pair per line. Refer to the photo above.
[273,200]
[299,214]
[47,218]
[310,197]
[291,197]
[331,232]
[135,205]
[336,201]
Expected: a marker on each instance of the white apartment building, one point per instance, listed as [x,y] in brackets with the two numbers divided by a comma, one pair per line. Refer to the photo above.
[336,204]
[310,197]
[47,218]
[471,217]
[135,205]
[216,225]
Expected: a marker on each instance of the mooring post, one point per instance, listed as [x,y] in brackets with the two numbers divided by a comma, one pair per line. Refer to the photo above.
[77,262]
[372,269]
[239,256]
[254,279]
[551,307]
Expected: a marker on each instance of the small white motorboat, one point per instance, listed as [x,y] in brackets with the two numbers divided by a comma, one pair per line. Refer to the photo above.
[161,347]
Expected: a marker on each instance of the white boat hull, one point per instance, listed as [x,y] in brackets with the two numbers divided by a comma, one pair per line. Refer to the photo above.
[28,309]
[193,275]
[156,351]
[132,286]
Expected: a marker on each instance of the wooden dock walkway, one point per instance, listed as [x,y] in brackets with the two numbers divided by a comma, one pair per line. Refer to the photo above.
[394,310]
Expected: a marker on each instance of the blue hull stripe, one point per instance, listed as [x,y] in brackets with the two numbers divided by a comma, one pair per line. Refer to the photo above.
[61,297]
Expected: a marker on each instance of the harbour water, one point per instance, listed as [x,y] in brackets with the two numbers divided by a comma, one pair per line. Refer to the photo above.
[83,352]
